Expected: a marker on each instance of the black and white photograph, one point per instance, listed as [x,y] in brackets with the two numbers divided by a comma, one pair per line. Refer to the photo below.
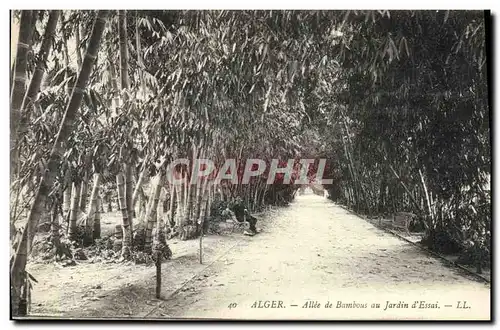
[250,164]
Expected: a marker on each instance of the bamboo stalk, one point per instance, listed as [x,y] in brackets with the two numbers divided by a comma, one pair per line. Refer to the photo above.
[77,41]
[83,193]
[426,195]
[122,31]
[151,214]
[36,79]
[122,204]
[185,192]
[201,220]
[97,221]
[67,193]
[180,205]
[128,196]
[172,205]
[410,195]
[114,84]
[55,225]
[158,274]
[199,191]
[139,56]
[66,60]
[139,183]
[74,210]
[19,84]
[94,207]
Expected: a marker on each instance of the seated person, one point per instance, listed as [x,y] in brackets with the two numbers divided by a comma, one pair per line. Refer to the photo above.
[241,214]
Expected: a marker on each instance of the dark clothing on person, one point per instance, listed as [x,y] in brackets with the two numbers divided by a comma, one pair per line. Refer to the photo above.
[241,213]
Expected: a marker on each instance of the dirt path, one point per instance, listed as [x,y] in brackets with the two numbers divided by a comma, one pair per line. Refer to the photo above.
[316,252]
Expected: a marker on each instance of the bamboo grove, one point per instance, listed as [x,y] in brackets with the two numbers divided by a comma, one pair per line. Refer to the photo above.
[397,101]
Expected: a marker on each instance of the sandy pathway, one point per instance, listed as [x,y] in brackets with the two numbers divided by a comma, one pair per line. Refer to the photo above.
[315,252]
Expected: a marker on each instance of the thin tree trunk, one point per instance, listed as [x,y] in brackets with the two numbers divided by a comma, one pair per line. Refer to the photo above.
[191,190]
[48,178]
[431,215]
[83,193]
[199,190]
[74,210]
[204,192]
[138,185]
[55,226]
[19,84]
[78,41]
[122,30]
[151,214]
[39,72]
[254,203]
[190,204]
[185,211]
[201,219]
[128,196]
[143,205]
[114,85]
[97,220]
[139,55]
[124,84]
[67,194]
[210,201]
[66,62]
[412,199]
[172,207]
[93,209]
[180,205]
[127,239]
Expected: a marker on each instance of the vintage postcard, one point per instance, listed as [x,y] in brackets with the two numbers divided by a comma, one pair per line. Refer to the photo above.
[250,164]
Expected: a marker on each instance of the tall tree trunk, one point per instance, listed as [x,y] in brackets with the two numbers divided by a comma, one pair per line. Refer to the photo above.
[190,193]
[255,197]
[67,194]
[410,195]
[127,238]
[124,84]
[19,84]
[55,226]
[381,198]
[97,220]
[139,55]
[128,196]
[74,210]
[190,204]
[122,31]
[36,79]
[48,178]
[172,207]
[82,203]
[180,205]
[151,213]
[93,209]
[198,191]
[69,88]
[114,85]
[431,215]
[204,192]
[138,185]
[201,219]
[143,204]
[211,197]
[78,41]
